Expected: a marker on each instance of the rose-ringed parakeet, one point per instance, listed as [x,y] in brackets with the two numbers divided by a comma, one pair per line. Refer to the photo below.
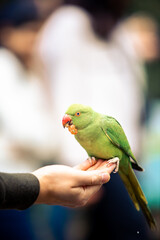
[103,138]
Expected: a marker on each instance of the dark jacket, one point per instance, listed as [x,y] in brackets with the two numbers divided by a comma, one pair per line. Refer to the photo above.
[18,190]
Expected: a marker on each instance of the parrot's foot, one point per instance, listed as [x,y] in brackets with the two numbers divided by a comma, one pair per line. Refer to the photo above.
[92,160]
[114,160]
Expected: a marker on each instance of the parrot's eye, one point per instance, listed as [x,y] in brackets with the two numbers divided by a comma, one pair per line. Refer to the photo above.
[77,114]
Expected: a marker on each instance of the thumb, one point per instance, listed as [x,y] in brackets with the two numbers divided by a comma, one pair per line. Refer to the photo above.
[95,177]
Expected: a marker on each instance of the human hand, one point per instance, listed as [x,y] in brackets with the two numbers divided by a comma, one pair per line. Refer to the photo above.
[71,187]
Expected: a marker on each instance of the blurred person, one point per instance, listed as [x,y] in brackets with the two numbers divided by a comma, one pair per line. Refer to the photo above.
[27,135]
[26,129]
[86,62]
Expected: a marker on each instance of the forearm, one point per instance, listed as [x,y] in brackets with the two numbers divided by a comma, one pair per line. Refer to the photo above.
[18,191]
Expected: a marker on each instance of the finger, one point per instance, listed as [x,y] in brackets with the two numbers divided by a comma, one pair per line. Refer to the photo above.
[95,166]
[100,165]
[104,166]
[110,168]
[88,163]
[87,178]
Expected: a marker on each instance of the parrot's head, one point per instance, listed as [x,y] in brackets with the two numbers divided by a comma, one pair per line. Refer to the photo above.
[77,117]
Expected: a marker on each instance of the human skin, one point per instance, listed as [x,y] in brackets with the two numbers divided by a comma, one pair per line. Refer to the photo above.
[72,186]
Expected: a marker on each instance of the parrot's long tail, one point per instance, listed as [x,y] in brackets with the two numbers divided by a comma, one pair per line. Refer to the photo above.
[136,193]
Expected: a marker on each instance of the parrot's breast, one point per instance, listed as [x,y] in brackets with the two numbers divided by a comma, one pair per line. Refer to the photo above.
[97,144]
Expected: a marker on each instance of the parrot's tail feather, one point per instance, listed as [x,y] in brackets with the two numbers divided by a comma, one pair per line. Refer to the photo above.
[137,167]
[137,195]
[129,189]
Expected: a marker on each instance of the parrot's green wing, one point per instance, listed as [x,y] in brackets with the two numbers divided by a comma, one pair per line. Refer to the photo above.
[116,135]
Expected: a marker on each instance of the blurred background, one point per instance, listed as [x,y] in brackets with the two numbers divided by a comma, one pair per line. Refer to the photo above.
[101,53]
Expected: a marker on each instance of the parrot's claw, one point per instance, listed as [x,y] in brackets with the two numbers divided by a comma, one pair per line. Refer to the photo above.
[92,160]
[114,160]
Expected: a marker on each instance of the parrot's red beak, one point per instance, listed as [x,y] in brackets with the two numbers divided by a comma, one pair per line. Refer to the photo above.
[66,121]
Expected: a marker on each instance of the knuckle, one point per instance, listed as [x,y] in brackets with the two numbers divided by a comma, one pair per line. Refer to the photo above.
[96,179]
[93,179]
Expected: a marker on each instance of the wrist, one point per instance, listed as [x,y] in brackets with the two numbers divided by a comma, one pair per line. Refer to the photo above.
[41,195]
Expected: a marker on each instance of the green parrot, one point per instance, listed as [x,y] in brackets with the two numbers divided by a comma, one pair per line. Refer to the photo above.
[103,138]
